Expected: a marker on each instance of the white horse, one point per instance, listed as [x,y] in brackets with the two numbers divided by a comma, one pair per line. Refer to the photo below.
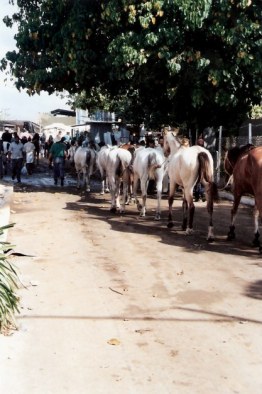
[117,169]
[149,163]
[101,161]
[71,153]
[187,166]
[85,160]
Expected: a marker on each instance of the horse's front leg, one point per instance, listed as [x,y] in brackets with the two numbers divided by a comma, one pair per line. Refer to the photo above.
[172,189]
[231,234]
[78,179]
[88,188]
[102,187]
[106,185]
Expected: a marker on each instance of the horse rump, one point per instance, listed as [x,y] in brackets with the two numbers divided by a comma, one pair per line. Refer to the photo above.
[205,175]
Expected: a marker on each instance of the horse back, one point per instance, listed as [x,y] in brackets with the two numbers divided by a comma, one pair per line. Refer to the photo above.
[247,173]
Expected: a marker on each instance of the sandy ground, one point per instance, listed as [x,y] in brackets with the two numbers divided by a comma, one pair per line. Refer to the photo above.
[121,304]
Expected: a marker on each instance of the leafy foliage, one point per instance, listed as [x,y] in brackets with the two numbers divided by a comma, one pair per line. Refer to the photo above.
[9,301]
[161,61]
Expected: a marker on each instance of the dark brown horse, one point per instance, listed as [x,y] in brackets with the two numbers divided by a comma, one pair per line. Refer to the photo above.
[245,164]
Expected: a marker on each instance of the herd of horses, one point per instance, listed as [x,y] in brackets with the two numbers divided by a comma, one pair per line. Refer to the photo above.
[126,167]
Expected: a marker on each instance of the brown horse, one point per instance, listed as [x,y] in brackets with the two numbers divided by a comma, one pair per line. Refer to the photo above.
[245,164]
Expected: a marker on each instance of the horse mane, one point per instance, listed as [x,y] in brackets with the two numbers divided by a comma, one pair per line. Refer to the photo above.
[238,151]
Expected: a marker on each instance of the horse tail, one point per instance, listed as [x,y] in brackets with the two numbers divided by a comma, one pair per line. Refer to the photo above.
[119,167]
[152,165]
[205,171]
[206,174]
[88,157]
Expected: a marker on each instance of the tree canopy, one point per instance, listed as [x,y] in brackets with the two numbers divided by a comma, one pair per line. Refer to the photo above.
[193,62]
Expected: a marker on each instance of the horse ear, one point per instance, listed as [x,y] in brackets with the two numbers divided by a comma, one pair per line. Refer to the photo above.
[176,130]
[165,131]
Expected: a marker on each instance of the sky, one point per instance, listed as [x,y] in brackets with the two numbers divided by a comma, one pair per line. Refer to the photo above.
[15,105]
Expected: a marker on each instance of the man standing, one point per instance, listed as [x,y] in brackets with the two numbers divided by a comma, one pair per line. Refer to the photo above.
[58,154]
[16,154]
[29,149]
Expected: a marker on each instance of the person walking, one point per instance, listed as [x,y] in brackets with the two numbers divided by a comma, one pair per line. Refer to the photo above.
[17,158]
[36,142]
[58,154]
[29,149]
[48,145]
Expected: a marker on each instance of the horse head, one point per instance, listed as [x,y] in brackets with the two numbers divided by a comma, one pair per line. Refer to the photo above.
[171,141]
[232,156]
[185,142]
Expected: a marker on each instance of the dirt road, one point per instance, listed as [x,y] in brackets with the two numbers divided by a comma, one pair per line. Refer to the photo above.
[120,304]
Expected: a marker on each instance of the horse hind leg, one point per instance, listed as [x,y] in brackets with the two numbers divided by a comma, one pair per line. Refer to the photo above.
[172,189]
[210,206]
[159,195]
[191,211]
[231,234]
[256,241]
[185,214]
[135,187]
[144,185]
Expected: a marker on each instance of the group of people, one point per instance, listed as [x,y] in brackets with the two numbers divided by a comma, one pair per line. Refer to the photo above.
[17,152]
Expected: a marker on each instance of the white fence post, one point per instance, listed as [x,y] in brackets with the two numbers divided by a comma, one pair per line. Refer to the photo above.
[219,153]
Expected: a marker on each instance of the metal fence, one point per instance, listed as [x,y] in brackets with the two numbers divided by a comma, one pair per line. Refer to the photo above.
[230,142]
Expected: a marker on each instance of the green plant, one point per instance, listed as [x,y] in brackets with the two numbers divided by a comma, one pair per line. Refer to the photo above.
[8,284]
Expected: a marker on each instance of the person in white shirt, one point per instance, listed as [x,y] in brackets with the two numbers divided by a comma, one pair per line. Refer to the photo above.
[29,149]
[16,154]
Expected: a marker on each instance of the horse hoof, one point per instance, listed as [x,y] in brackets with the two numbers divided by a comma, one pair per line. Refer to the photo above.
[189,231]
[230,237]
[170,225]
[157,217]
[102,193]
[210,240]
[113,209]
[142,215]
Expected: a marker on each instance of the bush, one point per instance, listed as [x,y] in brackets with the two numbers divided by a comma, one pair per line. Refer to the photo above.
[9,301]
